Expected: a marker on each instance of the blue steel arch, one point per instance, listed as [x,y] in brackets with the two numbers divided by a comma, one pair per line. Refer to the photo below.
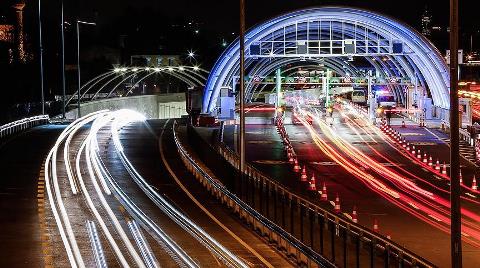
[424,62]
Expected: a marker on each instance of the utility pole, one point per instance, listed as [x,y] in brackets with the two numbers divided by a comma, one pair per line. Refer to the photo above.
[41,55]
[78,69]
[456,216]
[63,64]
[242,90]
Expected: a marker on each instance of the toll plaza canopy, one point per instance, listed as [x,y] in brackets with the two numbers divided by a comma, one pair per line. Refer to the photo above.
[334,35]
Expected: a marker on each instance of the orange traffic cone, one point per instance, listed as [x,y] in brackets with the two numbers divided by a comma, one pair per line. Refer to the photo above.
[408,147]
[291,160]
[474,183]
[375,226]
[425,160]
[413,149]
[444,170]
[337,204]
[430,161]
[354,215]
[296,167]
[312,184]
[419,155]
[403,123]
[437,165]
[303,177]
[324,196]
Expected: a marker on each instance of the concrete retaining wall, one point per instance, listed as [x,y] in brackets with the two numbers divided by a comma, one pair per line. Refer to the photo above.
[149,105]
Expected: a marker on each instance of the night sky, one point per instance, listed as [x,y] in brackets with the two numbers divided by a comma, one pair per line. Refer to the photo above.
[148,27]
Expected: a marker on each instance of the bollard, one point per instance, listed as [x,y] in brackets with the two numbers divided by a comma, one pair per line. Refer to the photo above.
[474,184]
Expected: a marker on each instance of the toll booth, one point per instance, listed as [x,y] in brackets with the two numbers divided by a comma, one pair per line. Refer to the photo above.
[226,108]
[465,109]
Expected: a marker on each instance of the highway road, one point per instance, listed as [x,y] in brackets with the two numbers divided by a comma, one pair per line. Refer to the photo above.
[118,195]
[21,158]
[265,150]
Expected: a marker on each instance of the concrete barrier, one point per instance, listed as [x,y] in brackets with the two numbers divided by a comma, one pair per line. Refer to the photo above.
[152,106]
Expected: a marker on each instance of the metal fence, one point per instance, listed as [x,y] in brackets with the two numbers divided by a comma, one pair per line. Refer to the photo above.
[22,124]
[331,235]
[303,255]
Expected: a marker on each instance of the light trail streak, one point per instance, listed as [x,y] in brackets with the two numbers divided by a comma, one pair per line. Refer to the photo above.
[424,201]
[55,197]
[177,253]
[86,145]
[124,117]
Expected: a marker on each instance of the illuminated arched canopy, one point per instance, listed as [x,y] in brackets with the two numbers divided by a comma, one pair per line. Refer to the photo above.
[335,33]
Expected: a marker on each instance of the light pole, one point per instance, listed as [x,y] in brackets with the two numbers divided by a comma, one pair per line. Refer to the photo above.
[63,64]
[242,93]
[78,61]
[41,55]
[456,216]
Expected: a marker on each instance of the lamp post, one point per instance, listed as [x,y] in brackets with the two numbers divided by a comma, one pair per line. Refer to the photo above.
[242,92]
[41,55]
[456,216]
[63,64]
[78,61]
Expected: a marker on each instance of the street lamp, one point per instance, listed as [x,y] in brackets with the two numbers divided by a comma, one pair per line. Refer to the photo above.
[191,55]
[41,55]
[78,59]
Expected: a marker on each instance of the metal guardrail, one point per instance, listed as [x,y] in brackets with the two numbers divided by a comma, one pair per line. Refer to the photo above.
[284,241]
[340,226]
[22,124]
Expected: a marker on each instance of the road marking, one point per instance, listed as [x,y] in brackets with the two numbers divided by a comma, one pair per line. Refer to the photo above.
[471,195]
[412,134]
[433,217]
[44,235]
[270,162]
[260,142]
[423,143]
[325,163]
[413,205]
[205,210]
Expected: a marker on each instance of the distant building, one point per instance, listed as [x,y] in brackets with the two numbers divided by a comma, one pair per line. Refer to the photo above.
[426,23]
[155,60]
[13,45]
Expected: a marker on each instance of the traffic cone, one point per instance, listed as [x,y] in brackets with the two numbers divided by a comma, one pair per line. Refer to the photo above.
[413,149]
[419,155]
[337,204]
[375,226]
[437,165]
[312,184]
[430,161]
[408,147]
[291,160]
[425,160]
[444,170]
[296,167]
[404,145]
[354,215]
[474,183]
[324,196]
[403,123]
[303,177]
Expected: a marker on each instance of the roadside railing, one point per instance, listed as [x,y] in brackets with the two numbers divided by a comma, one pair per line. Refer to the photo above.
[349,244]
[284,241]
[22,124]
